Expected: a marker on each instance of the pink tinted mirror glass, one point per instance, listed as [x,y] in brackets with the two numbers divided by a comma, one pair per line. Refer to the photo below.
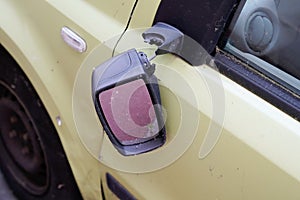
[129,112]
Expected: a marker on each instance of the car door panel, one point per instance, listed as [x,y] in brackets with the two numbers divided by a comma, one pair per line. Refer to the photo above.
[254,157]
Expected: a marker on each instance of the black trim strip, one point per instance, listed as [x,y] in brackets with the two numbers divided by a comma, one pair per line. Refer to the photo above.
[260,85]
[119,190]
[204,20]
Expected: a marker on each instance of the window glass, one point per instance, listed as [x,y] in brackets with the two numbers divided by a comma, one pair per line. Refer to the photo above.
[266,35]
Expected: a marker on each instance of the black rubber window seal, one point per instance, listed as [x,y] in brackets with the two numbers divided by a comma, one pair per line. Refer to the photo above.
[258,84]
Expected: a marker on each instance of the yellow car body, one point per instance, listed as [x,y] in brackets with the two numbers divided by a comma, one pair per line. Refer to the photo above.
[255,155]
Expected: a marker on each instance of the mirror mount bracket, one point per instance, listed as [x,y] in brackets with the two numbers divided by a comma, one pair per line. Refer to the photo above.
[169,39]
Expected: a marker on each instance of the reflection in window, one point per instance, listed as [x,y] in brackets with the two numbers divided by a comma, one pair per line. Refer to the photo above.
[268,30]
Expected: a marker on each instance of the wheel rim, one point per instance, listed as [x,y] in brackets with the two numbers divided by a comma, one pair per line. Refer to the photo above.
[23,152]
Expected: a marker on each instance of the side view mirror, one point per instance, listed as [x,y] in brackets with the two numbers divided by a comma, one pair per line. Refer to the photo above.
[127,100]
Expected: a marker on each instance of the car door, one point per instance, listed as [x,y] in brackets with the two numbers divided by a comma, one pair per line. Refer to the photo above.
[232,127]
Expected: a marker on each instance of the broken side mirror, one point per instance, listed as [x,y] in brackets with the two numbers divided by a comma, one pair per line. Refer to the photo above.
[127,100]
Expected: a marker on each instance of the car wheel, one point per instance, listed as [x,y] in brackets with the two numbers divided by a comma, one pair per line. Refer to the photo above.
[32,158]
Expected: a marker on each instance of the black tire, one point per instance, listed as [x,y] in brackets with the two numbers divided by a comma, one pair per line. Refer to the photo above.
[32,158]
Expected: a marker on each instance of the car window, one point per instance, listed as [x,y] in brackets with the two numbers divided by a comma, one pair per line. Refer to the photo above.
[265,34]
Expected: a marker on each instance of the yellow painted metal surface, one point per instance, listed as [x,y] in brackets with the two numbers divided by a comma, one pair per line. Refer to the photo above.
[30,31]
[255,156]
